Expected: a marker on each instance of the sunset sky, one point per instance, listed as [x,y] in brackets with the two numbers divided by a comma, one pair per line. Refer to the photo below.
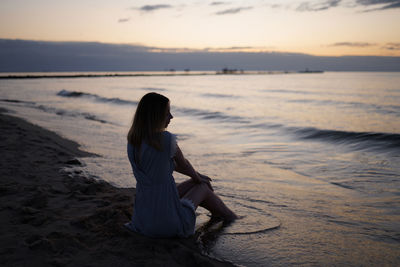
[327,27]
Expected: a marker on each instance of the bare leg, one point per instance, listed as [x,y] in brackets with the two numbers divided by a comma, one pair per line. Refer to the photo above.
[184,187]
[201,195]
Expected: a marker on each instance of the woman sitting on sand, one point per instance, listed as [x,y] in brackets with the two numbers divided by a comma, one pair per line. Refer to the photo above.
[162,208]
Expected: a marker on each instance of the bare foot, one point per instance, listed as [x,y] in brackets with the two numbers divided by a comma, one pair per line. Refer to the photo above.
[231,217]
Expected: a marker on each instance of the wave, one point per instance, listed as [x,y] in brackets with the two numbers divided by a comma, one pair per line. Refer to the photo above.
[57,111]
[62,112]
[213,115]
[360,140]
[343,185]
[119,101]
[219,96]
[153,89]
[16,101]
[302,92]
[284,91]
[351,139]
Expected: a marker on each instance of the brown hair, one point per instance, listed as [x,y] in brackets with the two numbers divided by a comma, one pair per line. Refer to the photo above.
[148,122]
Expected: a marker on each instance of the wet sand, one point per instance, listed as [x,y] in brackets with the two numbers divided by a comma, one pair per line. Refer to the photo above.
[49,218]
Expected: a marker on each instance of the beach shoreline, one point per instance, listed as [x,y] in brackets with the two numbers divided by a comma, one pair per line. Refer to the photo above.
[50,217]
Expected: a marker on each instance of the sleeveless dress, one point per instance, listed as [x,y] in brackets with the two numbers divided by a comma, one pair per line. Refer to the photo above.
[158,210]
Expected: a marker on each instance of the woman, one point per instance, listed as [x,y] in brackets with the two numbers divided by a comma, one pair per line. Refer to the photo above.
[163,209]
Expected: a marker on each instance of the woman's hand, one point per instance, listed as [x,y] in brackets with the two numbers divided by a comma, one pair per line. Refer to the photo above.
[197,179]
[207,180]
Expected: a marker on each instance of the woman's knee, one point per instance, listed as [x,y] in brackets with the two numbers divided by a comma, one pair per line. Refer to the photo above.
[205,191]
[203,187]
[198,192]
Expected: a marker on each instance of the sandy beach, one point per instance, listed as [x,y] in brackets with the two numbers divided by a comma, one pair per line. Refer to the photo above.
[49,218]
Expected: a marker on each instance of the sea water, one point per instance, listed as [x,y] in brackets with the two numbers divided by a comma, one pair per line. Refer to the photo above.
[311,161]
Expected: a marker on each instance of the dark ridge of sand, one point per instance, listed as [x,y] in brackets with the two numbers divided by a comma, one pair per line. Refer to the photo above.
[48,218]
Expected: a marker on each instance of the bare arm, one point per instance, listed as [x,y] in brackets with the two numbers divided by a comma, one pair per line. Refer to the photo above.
[182,165]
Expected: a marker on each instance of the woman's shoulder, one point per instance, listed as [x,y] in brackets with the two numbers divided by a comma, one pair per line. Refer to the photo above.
[169,134]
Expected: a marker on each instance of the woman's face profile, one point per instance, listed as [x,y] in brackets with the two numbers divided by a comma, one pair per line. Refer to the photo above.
[168,116]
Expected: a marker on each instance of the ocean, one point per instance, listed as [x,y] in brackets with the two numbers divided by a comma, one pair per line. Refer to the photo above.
[311,161]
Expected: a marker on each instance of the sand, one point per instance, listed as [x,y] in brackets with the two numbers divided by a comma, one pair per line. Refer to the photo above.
[49,218]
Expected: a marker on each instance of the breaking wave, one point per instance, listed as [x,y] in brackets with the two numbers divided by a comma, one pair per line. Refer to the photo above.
[62,112]
[359,140]
[113,100]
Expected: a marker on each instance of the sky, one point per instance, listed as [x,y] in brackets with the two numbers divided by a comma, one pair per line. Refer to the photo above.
[320,27]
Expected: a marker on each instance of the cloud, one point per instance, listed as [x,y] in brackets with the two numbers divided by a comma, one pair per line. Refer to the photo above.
[238,47]
[150,8]
[387,46]
[353,44]
[383,4]
[275,6]
[219,3]
[171,50]
[232,10]
[372,5]
[249,49]
[124,20]
[392,46]
[314,6]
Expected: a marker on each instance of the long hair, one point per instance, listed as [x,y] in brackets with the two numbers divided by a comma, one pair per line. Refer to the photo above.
[148,122]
